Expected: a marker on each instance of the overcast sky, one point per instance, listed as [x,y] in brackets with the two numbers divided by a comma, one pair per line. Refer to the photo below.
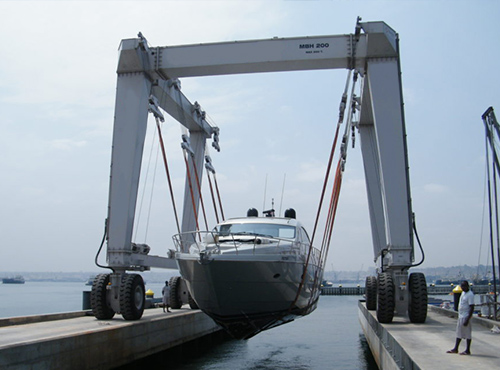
[57,94]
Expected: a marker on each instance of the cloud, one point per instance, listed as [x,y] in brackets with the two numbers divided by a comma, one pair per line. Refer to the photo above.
[435,188]
[67,144]
[311,172]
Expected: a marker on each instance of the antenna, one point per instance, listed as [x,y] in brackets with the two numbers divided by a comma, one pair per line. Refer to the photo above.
[265,189]
[282,191]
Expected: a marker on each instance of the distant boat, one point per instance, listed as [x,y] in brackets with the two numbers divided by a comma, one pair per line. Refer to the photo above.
[90,281]
[15,280]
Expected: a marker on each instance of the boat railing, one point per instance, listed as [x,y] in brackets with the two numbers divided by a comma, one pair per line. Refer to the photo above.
[196,242]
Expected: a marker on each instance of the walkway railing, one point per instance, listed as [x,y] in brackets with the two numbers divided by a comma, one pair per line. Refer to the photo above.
[431,290]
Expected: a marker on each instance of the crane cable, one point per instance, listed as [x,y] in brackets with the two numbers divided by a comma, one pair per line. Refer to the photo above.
[335,196]
[199,191]
[332,152]
[218,196]
[342,107]
[191,191]
[339,173]
[140,205]
[165,162]
[213,196]
[210,169]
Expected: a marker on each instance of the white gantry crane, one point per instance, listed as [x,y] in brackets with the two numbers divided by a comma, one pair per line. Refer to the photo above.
[148,78]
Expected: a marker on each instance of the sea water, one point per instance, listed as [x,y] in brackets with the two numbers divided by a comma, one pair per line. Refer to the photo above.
[328,338]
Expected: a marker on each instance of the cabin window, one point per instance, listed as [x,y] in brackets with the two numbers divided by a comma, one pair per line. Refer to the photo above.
[270,230]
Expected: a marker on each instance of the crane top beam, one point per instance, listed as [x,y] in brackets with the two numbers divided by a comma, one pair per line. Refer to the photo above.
[349,51]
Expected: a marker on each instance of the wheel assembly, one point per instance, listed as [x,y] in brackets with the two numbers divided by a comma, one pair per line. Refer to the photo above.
[132,297]
[417,306]
[385,298]
[100,307]
[371,292]
[175,292]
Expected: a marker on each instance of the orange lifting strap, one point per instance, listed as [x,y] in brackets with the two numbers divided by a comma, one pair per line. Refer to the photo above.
[334,199]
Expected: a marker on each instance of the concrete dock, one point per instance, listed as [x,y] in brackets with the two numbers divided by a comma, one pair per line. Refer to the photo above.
[76,340]
[403,345]
[83,342]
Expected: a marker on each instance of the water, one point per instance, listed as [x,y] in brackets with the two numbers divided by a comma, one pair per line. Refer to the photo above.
[329,338]
[41,297]
[35,298]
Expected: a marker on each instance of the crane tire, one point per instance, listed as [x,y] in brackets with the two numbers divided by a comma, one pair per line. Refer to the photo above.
[371,293]
[132,296]
[386,299]
[175,294]
[100,307]
[417,305]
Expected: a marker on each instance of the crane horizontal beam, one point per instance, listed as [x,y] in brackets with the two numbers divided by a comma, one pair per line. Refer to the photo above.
[267,55]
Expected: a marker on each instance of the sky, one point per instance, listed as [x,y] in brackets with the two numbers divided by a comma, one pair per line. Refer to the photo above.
[57,93]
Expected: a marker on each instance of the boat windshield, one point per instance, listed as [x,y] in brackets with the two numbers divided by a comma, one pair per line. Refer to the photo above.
[259,229]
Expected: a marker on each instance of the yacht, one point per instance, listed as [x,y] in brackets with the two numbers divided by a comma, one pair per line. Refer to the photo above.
[253,273]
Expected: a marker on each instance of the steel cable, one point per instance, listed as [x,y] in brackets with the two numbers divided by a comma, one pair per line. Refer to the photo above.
[342,107]
[165,162]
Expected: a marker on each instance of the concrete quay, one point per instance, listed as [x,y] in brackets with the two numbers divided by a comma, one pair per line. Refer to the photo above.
[83,342]
[404,345]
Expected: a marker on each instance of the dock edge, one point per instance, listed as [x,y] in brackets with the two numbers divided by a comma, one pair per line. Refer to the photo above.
[387,352]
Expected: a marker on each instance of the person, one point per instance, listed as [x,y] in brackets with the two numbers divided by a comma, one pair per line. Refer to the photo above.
[166,297]
[464,326]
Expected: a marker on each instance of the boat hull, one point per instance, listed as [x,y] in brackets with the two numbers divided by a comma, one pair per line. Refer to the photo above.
[13,281]
[248,295]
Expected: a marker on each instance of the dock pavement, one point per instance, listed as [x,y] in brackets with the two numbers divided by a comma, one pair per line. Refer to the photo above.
[80,341]
[424,346]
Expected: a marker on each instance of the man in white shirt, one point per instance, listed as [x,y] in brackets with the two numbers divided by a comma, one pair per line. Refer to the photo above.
[464,327]
[166,297]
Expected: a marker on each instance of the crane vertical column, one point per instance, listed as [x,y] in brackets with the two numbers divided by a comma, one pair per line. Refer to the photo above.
[129,131]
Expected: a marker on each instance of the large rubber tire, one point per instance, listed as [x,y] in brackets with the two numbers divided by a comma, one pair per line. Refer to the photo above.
[371,293]
[417,306]
[192,302]
[386,298]
[175,294]
[100,307]
[132,297]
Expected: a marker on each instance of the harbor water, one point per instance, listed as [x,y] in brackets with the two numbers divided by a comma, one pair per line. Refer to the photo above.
[329,338]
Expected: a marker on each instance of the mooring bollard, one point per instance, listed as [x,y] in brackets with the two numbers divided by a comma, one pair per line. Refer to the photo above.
[457,292]
[86,300]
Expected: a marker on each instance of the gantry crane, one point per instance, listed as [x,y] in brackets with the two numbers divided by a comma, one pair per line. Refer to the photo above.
[148,79]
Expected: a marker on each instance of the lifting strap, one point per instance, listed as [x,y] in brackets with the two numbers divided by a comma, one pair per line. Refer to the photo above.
[218,196]
[191,190]
[199,193]
[332,209]
[165,162]
[210,169]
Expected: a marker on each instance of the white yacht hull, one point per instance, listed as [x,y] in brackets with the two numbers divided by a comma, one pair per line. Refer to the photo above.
[250,293]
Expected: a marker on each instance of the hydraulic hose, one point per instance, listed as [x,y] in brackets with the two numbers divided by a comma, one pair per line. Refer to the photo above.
[419,244]
[100,247]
